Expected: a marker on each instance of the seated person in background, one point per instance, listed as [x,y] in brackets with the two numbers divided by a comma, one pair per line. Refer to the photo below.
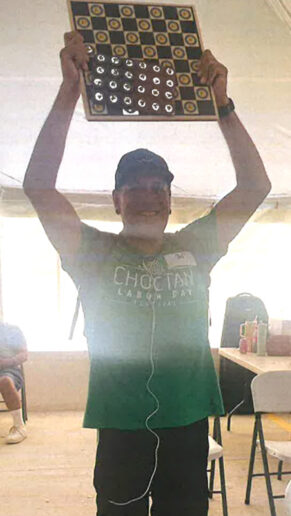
[13,352]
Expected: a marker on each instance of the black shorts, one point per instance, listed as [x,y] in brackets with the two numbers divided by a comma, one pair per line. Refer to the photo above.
[15,374]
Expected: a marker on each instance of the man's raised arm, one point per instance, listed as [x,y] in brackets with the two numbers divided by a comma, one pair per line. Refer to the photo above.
[253,184]
[56,214]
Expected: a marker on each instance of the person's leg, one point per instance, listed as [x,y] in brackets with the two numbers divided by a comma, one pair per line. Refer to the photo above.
[124,464]
[8,390]
[180,484]
[9,393]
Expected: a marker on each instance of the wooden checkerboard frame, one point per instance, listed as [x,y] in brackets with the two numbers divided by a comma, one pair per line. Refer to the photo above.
[201,102]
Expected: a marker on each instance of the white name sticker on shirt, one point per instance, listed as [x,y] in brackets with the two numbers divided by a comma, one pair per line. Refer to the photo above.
[180,259]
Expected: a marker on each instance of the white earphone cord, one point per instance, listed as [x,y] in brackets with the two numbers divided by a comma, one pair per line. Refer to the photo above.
[150,415]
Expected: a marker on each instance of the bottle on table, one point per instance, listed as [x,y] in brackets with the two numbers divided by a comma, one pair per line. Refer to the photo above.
[243,345]
[262,339]
[248,331]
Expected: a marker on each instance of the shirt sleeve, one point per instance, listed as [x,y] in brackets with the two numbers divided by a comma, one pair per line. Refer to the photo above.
[201,238]
[93,249]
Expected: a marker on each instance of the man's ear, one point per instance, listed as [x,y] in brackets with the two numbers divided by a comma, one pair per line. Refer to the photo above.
[116,201]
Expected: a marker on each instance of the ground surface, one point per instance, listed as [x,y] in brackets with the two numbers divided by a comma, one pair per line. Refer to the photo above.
[50,473]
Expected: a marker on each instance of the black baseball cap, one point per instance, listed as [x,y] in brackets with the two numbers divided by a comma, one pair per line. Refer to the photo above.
[141,161]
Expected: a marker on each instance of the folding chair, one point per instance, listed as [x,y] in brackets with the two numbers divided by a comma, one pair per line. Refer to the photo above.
[23,398]
[288,499]
[271,393]
[216,452]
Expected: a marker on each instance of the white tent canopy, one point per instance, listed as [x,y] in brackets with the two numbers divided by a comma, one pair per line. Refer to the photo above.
[252,38]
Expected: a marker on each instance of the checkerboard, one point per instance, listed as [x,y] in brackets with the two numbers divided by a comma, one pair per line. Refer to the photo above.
[162,35]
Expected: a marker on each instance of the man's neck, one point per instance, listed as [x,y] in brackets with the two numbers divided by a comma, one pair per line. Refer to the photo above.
[145,246]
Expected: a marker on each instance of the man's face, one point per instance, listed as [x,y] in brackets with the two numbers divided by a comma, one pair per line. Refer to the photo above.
[144,205]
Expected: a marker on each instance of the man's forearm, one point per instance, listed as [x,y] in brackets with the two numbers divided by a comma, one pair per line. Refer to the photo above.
[250,170]
[14,361]
[48,152]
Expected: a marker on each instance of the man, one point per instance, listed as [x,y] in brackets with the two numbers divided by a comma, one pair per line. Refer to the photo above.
[13,353]
[145,300]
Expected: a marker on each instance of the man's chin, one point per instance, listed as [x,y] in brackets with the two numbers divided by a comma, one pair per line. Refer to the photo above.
[145,229]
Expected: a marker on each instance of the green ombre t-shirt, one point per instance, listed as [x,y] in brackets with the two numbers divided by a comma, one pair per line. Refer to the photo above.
[141,310]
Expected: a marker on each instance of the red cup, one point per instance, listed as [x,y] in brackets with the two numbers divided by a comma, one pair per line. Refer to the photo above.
[243,345]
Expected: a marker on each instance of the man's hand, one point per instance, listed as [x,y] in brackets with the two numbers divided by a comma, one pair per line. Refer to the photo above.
[74,57]
[14,361]
[214,74]
[3,363]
